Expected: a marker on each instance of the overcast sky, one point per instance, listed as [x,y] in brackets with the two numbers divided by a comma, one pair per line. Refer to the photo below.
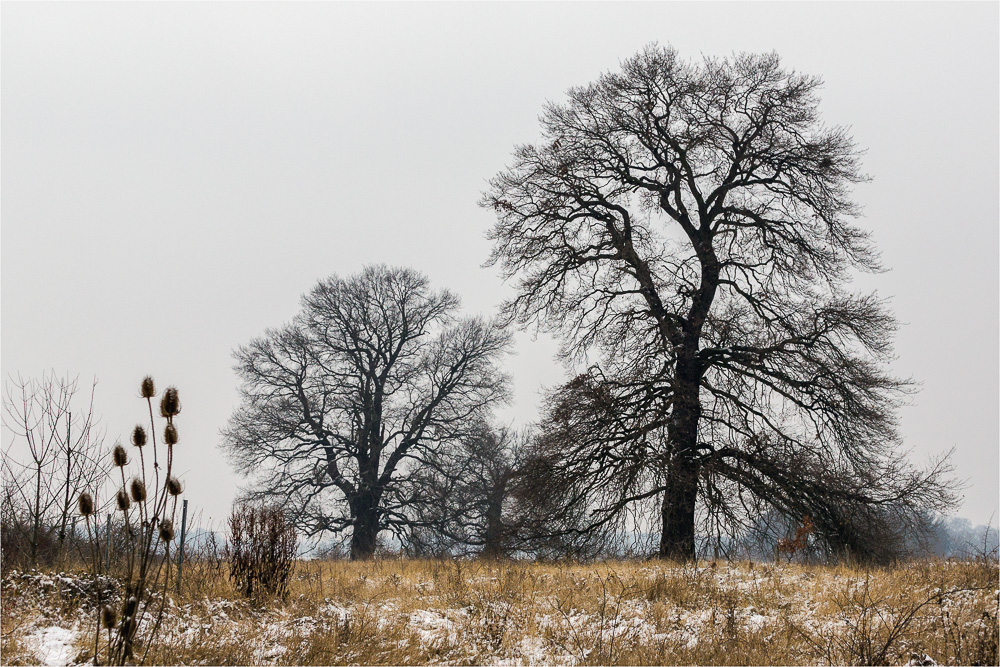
[175,176]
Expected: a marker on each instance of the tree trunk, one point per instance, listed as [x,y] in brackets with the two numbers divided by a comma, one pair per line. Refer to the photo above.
[681,492]
[365,513]
[493,539]
[677,512]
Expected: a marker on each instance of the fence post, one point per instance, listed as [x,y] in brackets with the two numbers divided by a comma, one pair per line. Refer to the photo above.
[180,551]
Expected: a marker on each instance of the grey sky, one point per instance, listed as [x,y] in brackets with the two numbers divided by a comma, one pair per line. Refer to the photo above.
[175,176]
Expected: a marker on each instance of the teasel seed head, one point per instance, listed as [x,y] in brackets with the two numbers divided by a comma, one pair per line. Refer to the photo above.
[138,490]
[131,605]
[170,404]
[174,486]
[138,436]
[166,530]
[170,434]
[147,389]
[109,617]
[123,500]
[119,456]
[86,504]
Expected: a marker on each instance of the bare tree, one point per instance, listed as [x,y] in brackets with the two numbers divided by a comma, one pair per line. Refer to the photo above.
[343,404]
[690,225]
[53,456]
[491,493]
[465,498]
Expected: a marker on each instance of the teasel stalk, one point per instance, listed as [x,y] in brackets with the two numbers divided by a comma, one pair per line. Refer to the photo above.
[139,440]
[169,408]
[126,514]
[148,391]
[152,427]
[85,504]
[109,617]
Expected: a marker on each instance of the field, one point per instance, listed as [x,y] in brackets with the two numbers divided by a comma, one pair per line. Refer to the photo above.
[511,613]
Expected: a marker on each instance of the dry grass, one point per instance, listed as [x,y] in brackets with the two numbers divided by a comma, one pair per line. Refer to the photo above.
[472,612]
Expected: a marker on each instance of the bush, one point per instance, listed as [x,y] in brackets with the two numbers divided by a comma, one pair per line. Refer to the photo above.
[261,551]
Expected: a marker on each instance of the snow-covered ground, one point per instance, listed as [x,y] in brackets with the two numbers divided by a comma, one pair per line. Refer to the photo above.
[525,614]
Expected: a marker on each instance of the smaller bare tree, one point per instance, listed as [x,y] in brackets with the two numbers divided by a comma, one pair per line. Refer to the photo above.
[55,453]
[464,498]
[492,493]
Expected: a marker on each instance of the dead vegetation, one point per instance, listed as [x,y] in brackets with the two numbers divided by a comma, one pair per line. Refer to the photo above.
[479,612]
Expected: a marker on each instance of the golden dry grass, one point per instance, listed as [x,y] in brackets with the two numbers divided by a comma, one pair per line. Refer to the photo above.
[477,612]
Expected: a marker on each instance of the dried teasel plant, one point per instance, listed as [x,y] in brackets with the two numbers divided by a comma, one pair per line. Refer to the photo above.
[85,503]
[174,486]
[148,503]
[119,456]
[137,489]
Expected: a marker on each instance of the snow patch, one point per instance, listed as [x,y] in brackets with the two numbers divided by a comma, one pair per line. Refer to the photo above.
[53,645]
[756,622]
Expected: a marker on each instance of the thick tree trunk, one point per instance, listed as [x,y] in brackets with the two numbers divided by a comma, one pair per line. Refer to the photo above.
[365,512]
[681,492]
[493,539]
[677,512]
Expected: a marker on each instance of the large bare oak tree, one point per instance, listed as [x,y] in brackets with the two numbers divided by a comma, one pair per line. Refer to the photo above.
[688,228]
[341,405]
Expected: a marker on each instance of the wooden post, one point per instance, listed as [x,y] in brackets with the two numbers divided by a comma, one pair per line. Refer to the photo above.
[180,551]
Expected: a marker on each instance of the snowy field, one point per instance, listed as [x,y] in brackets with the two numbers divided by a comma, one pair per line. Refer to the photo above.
[445,612]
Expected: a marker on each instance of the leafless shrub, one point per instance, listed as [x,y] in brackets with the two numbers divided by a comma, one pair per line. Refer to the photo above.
[261,550]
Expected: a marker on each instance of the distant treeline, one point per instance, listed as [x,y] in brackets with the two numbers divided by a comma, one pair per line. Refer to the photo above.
[957,537]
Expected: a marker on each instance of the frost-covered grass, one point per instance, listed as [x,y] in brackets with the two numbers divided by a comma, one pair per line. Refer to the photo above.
[462,612]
